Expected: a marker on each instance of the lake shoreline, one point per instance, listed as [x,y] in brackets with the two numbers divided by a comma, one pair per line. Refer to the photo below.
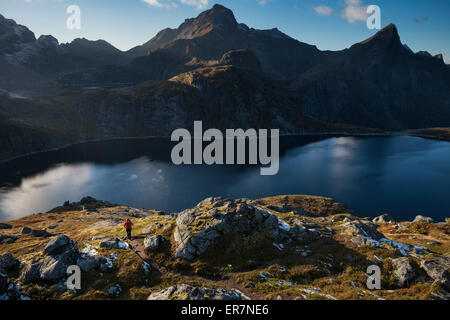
[331,134]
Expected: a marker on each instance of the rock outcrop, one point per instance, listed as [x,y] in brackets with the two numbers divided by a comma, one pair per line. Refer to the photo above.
[187,292]
[60,253]
[153,243]
[422,219]
[404,271]
[114,244]
[438,269]
[383,219]
[199,227]
[363,232]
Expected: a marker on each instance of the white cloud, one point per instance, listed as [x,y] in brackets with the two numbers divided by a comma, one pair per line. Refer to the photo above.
[323,10]
[263,2]
[354,11]
[160,3]
[447,61]
[199,4]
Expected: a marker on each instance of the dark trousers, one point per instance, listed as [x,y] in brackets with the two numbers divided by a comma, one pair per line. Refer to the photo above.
[129,234]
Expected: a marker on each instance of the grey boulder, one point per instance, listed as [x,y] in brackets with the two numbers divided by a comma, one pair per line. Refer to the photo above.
[438,269]
[383,219]
[404,271]
[153,243]
[359,228]
[422,219]
[61,253]
[187,292]
[113,244]
[56,244]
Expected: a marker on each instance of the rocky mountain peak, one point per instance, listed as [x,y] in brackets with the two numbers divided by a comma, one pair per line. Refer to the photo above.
[439,57]
[218,17]
[48,40]
[13,35]
[219,13]
[387,34]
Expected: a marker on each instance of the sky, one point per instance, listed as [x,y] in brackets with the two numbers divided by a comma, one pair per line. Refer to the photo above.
[328,24]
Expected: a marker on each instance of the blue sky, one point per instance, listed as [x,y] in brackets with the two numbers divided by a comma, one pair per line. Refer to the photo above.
[329,24]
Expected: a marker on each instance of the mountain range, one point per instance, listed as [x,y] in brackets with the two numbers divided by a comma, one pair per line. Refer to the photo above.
[214,69]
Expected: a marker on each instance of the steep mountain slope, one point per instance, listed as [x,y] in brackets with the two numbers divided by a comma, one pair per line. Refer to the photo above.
[378,83]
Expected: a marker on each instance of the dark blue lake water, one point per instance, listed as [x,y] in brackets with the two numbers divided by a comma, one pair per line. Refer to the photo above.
[402,176]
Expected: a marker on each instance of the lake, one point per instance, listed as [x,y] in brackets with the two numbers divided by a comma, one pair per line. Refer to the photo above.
[400,175]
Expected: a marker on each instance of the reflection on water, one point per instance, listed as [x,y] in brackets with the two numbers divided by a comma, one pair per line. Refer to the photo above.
[403,176]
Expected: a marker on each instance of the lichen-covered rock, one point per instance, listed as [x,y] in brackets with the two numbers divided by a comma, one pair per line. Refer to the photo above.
[8,262]
[438,269]
[199,227]
[383,219]
[187,292]
[404,271]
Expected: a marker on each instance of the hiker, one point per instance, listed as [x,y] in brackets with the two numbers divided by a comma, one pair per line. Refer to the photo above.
[128,225]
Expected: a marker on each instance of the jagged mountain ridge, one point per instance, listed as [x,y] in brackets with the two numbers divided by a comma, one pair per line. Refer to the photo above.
[377,83]
[26,58]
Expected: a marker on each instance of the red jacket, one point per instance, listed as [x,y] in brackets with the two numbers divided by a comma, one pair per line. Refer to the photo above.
[128,225]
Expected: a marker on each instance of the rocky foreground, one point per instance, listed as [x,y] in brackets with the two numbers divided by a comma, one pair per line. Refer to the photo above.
[286,247]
